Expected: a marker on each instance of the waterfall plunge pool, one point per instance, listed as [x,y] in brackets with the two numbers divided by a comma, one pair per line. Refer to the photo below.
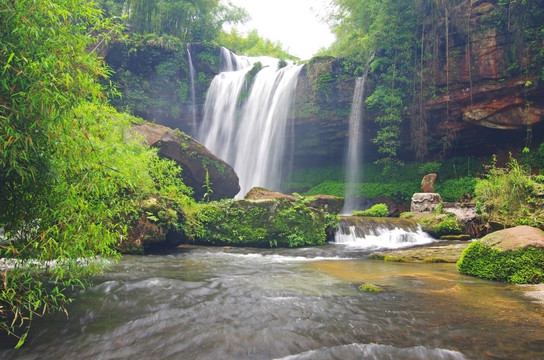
[240,303]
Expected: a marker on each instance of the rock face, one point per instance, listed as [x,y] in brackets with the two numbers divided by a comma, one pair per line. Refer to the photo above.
[484,82]
[195,161]
[425,202]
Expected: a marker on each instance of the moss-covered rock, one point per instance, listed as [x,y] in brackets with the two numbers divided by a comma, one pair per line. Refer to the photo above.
[514,255]
[280,222]
[200,167]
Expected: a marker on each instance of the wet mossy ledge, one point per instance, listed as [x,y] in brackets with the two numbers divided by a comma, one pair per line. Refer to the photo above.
[270,221]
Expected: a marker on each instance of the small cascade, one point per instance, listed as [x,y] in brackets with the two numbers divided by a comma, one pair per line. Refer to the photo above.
[192,81]
[355,141]
[389,233]
[245,124]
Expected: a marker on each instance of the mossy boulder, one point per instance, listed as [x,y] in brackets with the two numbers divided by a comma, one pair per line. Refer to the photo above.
[279,222]
[195,160]
[514,255]
[438,225]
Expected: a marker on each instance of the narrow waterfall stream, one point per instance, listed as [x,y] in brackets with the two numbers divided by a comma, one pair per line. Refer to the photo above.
[192,82]
[245,123]
[354,154]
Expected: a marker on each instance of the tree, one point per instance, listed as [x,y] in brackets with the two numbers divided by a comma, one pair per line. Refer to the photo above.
[190,21]
[46,70]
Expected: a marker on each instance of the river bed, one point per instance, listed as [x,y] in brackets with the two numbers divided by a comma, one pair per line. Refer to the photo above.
[239,303]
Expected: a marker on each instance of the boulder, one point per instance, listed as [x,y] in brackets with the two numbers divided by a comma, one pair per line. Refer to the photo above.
[519,237]
[425,202]
[195,160]
[514,255]
[427,183]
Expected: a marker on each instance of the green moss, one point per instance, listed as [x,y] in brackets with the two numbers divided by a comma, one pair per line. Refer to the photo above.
[523,266]
[269,223]
[370,288]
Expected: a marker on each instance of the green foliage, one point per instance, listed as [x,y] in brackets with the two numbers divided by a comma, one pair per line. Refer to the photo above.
[448,226]
[511,196]
[452,190]
[104,182]
[252,44]
[523,266]
[376,210]
[48,66]
[535,159]
[428,168]
[189,21]
[400,191]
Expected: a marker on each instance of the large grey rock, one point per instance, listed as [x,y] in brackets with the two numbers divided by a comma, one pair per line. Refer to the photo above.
[194,159]
[519,237]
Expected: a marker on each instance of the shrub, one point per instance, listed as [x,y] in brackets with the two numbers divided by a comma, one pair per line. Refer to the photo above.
[452,190]
[377,210]
[447,226]
[510,196]
[523,266]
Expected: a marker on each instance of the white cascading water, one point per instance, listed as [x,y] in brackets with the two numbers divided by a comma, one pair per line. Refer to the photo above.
[250,135]
[383,233]
[192,79]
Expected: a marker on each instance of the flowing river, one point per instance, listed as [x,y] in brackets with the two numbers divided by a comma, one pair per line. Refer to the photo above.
[239,303]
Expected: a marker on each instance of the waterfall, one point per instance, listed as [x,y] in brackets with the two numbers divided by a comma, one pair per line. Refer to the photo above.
[192,80]
[355,141]
[390,233]
[245,124]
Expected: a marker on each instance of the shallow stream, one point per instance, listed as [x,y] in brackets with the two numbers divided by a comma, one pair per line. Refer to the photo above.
[217,303]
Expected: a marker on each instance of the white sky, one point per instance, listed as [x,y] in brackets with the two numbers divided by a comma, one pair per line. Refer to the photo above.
[295,24]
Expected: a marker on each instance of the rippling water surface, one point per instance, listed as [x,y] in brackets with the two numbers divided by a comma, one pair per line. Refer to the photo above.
[215,303]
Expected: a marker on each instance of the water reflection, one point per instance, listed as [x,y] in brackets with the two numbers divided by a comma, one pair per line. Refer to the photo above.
[212,303]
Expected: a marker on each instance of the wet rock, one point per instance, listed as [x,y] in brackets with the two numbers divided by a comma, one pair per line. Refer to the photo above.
[194,159]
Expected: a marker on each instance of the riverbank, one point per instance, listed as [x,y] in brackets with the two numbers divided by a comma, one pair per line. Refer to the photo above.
[447,252]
